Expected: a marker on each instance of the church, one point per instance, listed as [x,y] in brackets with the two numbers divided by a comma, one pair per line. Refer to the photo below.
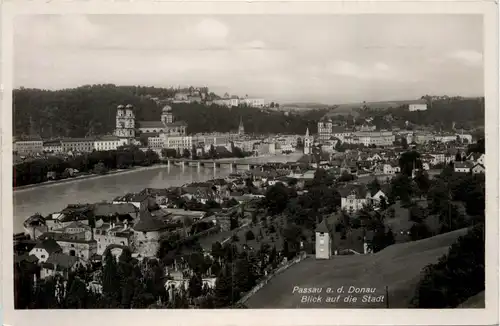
[126,126]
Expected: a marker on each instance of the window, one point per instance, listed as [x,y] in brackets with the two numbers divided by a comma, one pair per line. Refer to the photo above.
[43,256]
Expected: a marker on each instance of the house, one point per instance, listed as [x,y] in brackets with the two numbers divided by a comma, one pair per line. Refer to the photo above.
[108,234]
[70,214]
[44,249]
[354,196]
[59,264]
[463,167]
[382,193]
[115,212]
[141,200]
[478,169]
[78,244]
[35,226]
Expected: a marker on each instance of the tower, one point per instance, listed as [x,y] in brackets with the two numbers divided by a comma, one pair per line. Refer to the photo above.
[323,241]
[241,128]
[307,143]
[166,115]
[125,121]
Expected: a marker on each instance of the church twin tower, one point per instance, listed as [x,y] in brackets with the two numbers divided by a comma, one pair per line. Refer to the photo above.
[125,121]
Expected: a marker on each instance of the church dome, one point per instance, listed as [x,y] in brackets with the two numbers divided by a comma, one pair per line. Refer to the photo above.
[129,106]
[166,108]
[120,106]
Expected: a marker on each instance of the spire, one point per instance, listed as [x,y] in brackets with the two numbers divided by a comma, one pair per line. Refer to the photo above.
[307,132]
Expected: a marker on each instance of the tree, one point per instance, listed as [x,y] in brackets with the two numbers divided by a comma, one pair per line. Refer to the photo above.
[374,186]
[225,293]
[110,280]
[276,198]
[420,231]
[457,276]
[195,286]
[404,143]
[186,153]
[389,237]
[409,161]
[423,182]
[100,168]
[249,236]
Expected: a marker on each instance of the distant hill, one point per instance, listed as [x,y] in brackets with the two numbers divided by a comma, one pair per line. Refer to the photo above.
[306,105]
[398,266]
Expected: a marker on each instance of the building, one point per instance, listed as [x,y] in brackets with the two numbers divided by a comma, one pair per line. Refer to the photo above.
[327,130]
[45,248]
[353,197]
[59,264]
[176,142]
[323,241]
[166,125]
[52,146]
[308,143]
[370,138]
[83,145]
[419,106]
[241,128]
[478,169]
[108,143]
[147,233]
[156,142]
[107,234]
[125,122]
[75,240]
[227,102]
[140,201]
[28,145]
[253,102]
[463,167]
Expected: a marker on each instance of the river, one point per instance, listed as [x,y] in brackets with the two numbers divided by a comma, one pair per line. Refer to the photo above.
[51,198]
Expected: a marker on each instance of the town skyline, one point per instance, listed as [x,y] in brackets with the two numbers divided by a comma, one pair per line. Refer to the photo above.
[369,61]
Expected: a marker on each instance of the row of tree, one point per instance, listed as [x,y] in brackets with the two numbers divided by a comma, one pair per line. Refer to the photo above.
[99,162]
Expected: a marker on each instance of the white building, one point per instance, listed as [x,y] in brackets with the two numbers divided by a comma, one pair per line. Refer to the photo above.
[108,143]
[417,107]
[253,102]
[52,146]
[354,197]
[463,167]
[177,142]
[228,102]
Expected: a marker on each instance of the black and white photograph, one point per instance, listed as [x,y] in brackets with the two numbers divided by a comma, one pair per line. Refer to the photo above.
[249,161]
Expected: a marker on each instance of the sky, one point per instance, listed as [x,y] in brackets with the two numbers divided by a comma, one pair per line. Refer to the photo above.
[331,59]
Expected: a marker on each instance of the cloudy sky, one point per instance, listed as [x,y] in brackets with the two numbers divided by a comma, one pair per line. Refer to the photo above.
[328,59]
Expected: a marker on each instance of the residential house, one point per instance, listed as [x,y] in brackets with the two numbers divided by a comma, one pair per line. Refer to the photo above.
[478,169]
[59,264]
[44,249]
[354,196]
[463,167]
[108,212]
[79,244]
[141,201]
[70,214]
[107,234]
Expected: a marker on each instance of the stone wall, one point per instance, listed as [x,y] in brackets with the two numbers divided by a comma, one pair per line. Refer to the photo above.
[266,279]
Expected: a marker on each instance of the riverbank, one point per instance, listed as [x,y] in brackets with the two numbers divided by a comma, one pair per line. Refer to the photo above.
[133,169]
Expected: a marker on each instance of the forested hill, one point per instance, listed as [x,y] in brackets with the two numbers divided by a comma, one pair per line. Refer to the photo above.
[77,111]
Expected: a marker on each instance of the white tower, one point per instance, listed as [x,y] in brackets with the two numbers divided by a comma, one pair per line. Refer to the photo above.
[323,241]
[125,122]
[307,143]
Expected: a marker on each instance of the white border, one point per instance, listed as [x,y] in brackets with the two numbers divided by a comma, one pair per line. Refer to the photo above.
[247,316]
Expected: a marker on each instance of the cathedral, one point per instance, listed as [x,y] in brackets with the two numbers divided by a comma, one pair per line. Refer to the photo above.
[127,128]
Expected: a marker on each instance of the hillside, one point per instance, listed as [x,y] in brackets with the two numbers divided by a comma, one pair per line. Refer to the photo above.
[86,110]
[399,267]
